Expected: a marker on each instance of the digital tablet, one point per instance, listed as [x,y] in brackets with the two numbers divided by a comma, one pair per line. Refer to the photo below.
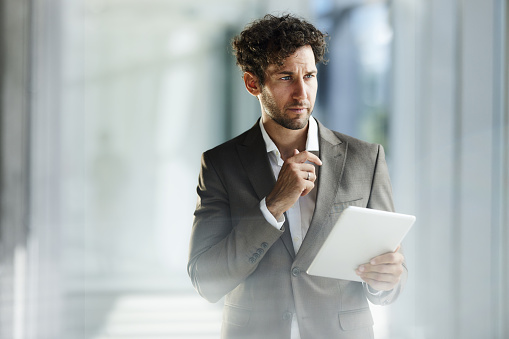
[359,235]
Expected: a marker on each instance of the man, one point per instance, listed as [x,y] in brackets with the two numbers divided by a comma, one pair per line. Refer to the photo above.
[268,198]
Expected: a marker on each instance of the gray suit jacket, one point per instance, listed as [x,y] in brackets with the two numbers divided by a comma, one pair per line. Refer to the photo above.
[235,252]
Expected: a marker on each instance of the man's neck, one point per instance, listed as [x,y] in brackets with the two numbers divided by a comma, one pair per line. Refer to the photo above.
[286,140]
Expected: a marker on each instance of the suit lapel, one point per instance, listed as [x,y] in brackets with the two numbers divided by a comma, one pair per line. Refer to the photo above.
[287,238]
[333,156]
[253,156]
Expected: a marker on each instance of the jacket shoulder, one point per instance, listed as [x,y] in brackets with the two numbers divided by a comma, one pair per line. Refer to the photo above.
[225,150]
[357,143]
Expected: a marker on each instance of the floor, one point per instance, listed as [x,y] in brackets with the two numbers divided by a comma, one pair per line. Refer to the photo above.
[143,316]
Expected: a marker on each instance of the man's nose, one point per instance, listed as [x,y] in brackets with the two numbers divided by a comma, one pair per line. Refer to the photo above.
[299,90]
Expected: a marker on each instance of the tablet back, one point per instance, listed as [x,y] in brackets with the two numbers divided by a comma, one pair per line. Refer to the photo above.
[359,235]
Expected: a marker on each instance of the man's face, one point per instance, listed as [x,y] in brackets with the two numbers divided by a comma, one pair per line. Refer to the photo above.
[288,95]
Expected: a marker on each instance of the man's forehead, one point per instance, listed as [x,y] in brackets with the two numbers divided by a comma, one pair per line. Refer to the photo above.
[302,56]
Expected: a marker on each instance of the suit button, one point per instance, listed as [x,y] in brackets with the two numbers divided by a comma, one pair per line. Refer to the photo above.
[252,260]
[256,255]
[265,245]
[295,271]
[260,251]
[287,315]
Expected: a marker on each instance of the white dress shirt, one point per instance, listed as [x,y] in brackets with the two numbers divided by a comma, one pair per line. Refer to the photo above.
[300,214]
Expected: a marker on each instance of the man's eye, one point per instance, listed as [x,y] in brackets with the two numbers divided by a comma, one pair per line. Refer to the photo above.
[309,76]
[286,78]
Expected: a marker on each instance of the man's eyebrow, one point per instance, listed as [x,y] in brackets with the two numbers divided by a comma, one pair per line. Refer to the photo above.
[291,73]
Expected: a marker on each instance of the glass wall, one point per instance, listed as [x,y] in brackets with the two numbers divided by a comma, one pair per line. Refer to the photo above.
[108,105]
[355,85]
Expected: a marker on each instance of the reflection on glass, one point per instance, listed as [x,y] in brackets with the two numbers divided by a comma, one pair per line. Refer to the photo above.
[354,89]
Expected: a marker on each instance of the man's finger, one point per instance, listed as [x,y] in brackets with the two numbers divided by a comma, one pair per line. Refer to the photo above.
[305,167]
[309,175]
[380,277]
[367,268]
[305,156]
[309,187]
[387,258]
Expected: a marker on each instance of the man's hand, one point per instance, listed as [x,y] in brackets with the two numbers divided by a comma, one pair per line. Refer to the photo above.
[382,273]
[292,182]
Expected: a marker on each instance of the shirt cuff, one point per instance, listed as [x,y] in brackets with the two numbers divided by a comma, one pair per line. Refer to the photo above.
[269,217]
[372,291]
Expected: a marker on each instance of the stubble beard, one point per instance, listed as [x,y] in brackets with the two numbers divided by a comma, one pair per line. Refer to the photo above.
[281,118]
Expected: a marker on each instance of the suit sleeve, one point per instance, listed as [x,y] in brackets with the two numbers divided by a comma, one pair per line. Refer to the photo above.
[381,199]
[224,252]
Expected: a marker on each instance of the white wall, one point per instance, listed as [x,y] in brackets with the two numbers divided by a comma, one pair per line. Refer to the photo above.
[450,166]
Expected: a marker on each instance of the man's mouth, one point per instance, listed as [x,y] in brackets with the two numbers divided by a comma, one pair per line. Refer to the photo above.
[298,109]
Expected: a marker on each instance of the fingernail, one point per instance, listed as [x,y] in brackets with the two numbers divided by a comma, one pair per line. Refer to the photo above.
[361,268]
[372,262]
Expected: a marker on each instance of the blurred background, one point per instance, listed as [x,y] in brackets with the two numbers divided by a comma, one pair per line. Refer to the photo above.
[107,105]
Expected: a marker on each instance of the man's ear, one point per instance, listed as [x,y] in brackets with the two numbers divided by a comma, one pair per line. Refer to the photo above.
[252,83]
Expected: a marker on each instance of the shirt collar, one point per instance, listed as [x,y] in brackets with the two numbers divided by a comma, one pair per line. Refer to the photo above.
[311,142]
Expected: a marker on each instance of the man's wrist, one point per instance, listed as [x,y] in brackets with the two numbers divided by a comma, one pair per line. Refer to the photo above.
[272,209]
[271,219]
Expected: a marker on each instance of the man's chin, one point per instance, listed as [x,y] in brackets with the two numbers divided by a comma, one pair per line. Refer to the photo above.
[296,127]
[295,124]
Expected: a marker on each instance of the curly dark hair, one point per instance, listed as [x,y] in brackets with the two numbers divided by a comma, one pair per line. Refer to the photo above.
[272,39]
